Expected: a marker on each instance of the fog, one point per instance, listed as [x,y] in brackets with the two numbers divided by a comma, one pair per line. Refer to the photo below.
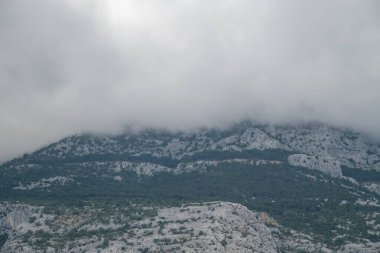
[95,65]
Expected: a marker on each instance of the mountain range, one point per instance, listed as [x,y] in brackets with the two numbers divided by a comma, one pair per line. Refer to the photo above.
[247,188]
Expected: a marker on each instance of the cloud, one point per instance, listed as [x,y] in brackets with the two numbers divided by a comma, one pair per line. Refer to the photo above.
[72,66]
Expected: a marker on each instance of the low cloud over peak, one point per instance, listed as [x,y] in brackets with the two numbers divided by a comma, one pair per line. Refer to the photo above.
[72,66]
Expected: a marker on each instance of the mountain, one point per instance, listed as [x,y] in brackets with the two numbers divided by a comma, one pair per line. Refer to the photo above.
[248,188]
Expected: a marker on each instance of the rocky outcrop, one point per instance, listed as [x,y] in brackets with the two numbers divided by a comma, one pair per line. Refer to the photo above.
[324,164]
[44,183]
[208,227]
[373,186]
[349,148]
[13,215]
[198,227]
[12,218]
[344,146]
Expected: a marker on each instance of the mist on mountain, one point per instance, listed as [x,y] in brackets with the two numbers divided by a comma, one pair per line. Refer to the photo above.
[74,66]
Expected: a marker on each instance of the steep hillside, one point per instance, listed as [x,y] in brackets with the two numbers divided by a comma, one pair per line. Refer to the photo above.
[315,188]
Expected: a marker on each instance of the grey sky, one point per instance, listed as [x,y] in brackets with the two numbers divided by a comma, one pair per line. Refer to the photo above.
[92,65]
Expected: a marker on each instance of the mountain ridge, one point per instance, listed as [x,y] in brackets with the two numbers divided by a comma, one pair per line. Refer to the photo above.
[314,181]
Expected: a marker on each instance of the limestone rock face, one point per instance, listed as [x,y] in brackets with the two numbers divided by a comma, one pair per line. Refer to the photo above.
[324,164]
[347,147]
[373,186]
[198,227]
[208,227]
[272,155]
[14,215]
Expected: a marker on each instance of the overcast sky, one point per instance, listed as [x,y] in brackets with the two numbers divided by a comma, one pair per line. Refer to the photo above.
[68,66]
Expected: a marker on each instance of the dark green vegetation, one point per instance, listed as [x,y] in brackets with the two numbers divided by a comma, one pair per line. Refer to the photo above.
[298,198]
[3,239]
[361,175]
[92,170]
[35,159]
